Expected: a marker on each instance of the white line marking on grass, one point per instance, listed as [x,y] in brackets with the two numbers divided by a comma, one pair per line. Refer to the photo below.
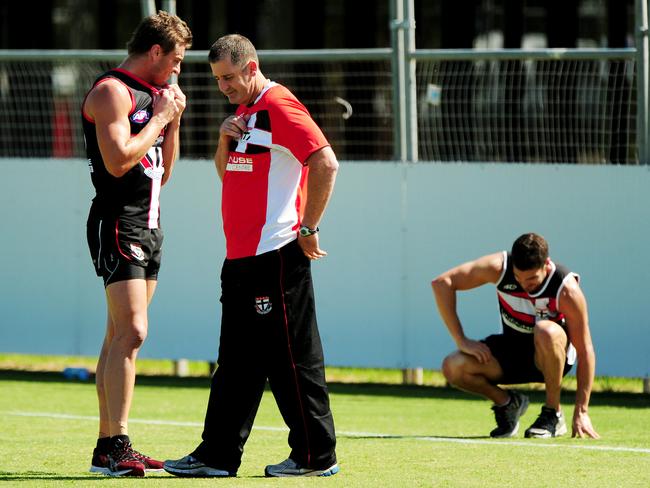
[65,416]
[536,443]
[501,442]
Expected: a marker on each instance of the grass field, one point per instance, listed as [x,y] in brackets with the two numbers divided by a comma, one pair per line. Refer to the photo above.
[388,435]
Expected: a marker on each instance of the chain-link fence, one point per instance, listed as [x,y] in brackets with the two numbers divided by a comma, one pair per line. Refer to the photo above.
[471,107]
[527,110]
[40,102]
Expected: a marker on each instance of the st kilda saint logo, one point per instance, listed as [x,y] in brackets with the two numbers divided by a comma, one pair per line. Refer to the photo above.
[263,305]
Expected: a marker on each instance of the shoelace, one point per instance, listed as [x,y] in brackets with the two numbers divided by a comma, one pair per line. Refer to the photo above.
[141,457]
[124,452]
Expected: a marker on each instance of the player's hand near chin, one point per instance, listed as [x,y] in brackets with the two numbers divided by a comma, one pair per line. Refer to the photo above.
[178,93]
[179,98]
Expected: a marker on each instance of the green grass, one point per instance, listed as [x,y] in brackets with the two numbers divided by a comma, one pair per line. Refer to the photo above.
[414,436]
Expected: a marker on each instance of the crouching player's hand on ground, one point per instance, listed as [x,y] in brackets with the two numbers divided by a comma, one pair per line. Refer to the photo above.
[582,425]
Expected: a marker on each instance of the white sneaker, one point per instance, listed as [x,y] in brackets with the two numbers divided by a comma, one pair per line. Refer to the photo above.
[289,467]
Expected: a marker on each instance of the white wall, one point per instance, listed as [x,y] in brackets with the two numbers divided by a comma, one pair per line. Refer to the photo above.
[389,230]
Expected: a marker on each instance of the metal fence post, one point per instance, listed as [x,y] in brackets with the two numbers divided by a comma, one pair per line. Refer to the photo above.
[169,6]
[402,31]
[147,7]
[410,95]
[642,124]
[399,76]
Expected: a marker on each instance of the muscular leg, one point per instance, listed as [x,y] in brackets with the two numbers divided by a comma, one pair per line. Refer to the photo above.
[550,356]
[126,330]
[466,373]
[104,430]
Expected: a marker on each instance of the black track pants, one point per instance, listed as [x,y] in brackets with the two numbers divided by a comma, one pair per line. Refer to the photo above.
[269,330]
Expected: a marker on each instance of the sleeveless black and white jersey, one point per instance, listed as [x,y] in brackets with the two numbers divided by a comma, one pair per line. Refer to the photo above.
[134,197]
[520,310]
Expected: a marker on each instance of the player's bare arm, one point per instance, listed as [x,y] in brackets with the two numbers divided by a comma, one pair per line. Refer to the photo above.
[323,167]
[109,104]
[171,144]
[573,305]
[473,274]
[231,128]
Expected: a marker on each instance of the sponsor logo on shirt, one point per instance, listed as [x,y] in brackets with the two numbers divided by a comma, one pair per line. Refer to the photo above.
[263,305]
[510,286]
[239,163]
[140,117]
[516,324]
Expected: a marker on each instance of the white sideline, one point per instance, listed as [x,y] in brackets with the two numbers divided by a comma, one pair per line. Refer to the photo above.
[501,442]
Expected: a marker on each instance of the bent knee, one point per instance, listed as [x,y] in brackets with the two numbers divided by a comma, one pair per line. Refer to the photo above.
[548,333]
[453,367]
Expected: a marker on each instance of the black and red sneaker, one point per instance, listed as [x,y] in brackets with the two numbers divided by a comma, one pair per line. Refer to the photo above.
[122,460]
[150,465]
[99,462]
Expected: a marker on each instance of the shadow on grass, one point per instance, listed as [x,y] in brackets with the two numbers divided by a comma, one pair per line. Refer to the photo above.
[45,476]
[442,437]
[612,399]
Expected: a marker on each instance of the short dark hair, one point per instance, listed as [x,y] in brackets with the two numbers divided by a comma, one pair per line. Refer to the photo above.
[529,251]
[163,29]
[238,48]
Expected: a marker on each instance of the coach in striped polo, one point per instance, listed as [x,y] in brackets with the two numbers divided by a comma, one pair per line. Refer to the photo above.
[545,328]
[278,173]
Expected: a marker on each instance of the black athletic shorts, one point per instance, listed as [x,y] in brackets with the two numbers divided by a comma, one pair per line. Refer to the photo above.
[121,251]
[516,355]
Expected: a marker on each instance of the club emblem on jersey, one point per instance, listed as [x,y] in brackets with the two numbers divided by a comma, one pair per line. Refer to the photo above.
[541,308]
[140,117]
[153,164]
[155,173]
[263,305]
[137,252]
[258,137]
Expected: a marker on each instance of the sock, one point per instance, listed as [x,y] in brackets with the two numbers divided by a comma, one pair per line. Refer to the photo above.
[103,445]
[507,402]
[123,438]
